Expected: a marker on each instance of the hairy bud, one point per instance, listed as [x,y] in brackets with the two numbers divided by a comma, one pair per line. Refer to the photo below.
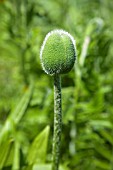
[58,52]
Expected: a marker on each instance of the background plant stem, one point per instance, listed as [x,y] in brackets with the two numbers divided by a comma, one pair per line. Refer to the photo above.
[57,122]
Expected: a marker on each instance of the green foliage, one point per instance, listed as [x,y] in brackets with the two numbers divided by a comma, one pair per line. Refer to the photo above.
[15,117]
[87,137]
[43,167]
[37,150]
[5,148]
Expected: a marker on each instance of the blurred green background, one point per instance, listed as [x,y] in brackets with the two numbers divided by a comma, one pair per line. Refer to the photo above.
[26,92]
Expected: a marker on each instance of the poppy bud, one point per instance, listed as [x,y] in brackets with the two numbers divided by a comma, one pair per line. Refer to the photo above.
[58,52]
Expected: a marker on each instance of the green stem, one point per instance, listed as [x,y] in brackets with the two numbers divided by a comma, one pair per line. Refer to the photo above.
[57,122]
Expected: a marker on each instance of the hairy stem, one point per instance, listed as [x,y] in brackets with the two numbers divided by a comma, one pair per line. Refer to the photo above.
[57,122]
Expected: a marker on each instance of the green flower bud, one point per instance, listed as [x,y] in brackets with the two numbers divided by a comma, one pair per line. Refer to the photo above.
[58,52]
[94,27]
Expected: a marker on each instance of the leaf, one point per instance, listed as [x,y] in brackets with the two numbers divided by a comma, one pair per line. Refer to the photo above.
[44,167]
[16,158]
[37,151]
[103,151]
[22,106]
[100,124]
[102,164]
[107,135]
[41,167]
[5,150]
[17,114]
